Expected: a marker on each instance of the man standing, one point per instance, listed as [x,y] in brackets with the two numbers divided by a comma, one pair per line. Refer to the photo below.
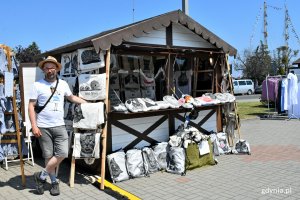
[48,125]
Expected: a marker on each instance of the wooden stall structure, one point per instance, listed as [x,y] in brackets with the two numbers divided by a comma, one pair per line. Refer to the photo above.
[14,113]
[172,41]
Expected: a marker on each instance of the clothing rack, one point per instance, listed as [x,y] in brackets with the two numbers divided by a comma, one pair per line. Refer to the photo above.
[17,133]
[268,99]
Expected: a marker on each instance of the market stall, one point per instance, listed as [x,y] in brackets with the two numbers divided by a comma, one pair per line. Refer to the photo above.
[163,56]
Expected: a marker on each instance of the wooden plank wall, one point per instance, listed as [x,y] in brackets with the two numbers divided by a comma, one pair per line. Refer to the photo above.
[121,138]
[182,36]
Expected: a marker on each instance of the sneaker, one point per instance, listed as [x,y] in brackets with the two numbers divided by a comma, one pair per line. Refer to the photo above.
[39,183]
[54,191]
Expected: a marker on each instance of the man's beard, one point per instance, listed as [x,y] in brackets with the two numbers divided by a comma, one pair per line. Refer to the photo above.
[51,76]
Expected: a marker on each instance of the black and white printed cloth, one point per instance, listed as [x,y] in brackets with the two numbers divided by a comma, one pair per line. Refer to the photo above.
[86,145]
[92,86]
[88,115]
[89,59]
[117,166]
[69,63]
[172,101]
[134,105]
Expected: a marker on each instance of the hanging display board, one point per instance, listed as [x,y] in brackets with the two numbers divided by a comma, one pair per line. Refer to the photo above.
[29,73]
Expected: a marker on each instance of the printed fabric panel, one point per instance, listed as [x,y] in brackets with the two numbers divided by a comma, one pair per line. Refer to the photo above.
[89,59]
[92,86]
[85,119]
[69,63]
[86,145]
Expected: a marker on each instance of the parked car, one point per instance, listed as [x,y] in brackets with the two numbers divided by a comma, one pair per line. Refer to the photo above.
[258,89]
[243,86]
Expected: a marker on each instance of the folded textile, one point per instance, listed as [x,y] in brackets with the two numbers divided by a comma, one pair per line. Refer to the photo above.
[172,101]
[149,104]
[85,119]
[225,97]
[162,104]
[134,105]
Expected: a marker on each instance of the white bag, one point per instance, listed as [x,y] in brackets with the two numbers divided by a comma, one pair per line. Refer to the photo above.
[150,162]
[117,166]
[135,163]
[176,160]
[160,152]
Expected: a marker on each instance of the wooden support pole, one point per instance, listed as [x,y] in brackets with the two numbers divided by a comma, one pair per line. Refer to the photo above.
[219,119]
[104,133]
[72,173]
[235,105]
[16,118]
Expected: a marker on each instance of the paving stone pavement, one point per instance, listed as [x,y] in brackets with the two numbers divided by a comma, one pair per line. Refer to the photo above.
[271,172]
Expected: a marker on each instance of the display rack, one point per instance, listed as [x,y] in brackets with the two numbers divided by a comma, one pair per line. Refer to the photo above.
[14,113]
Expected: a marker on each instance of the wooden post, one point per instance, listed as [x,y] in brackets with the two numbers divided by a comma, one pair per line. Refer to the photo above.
[73,166]
[104,133]
[72,172]
[235,106]
[16,118]
[219,118]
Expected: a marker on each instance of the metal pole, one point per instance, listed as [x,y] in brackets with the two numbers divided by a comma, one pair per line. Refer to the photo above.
[185,6]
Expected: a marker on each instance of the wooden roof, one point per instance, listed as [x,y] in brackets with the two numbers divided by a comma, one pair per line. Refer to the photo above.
[297,62]
[116,37]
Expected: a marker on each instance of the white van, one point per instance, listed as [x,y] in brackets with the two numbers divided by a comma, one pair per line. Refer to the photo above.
[243,86]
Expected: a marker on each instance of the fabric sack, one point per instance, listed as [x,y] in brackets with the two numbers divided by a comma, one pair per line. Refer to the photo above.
[176,160]
[242,146]
[192,156]
[135,163]
[160,152]
[207,159]
[117,166]
[223,142]
[150,163]
[216,145]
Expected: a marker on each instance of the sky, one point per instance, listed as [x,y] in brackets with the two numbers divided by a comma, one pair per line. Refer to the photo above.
[55,23]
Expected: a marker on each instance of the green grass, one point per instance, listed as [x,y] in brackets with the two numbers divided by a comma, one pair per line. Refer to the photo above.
[249,110]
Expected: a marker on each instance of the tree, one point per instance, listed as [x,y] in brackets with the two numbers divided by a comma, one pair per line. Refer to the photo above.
[255,64]
[282,59]
[27,54]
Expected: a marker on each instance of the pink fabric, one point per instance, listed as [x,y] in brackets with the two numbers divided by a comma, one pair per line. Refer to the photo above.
[272,89]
